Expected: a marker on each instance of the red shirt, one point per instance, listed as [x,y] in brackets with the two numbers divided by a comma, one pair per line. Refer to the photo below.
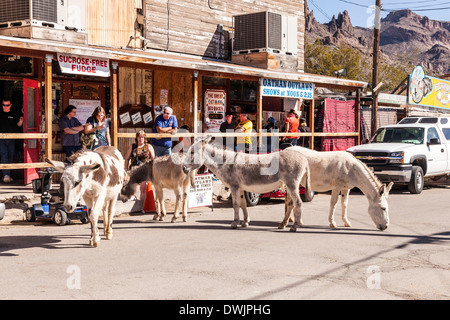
[293,125]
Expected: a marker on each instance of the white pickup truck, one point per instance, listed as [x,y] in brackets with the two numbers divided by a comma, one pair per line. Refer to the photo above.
[406,153]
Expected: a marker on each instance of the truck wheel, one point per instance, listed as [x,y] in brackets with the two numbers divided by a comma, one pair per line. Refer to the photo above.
[415,185]
[252,198]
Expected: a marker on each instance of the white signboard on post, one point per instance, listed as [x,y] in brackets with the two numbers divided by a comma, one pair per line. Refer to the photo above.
[286,89]
[202,195]
[87,66]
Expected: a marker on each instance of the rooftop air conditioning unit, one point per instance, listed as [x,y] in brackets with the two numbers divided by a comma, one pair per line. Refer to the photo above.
[58,14]
[265,32]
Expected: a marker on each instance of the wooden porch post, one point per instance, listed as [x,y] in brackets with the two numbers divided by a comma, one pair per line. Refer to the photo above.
[194,107]
[311,120]
[358,115]
[48,105]
[114,105]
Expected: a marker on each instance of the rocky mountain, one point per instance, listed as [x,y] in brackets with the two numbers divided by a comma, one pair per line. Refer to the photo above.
[405,37]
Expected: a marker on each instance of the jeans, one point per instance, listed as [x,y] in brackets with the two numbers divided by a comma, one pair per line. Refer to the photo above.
[161,150]
[7,149]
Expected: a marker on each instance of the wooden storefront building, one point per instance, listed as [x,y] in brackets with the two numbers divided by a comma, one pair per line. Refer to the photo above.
[151,53]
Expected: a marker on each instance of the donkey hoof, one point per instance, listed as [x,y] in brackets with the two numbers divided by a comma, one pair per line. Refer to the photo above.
[173,220]
[333,225]
[244,224]
[347,224]
[155,217]
[293,229]
[109,236]
[281,226]
[234,225]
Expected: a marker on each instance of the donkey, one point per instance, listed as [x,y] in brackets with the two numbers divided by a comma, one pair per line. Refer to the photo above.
[97,176]
[162,172]
[252,172]
[339,172]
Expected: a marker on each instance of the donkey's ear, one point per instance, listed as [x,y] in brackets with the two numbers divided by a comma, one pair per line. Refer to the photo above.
[58,165]
[384,190]
[207,139]
[90,167]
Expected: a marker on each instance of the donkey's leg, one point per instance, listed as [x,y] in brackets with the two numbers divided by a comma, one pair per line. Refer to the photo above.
[288,206]
[344,204]
[178,194]
[333,201]
[235,192]
[293,193]
[184,203]
[95,213]
[105,217]
[243,204]
[159,201]
[110,213]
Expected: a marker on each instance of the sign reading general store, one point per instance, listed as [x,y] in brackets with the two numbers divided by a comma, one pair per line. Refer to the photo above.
[286,89]
[82,65]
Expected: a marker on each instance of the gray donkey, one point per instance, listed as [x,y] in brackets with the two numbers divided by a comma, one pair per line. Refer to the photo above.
[253,173]
[163,172]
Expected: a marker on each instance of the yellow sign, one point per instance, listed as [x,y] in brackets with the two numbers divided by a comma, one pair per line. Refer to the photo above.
[428,91]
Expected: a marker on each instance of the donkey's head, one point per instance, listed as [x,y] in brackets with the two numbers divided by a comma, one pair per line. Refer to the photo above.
[74,178]
[378,207]
[195,156]
[138,175]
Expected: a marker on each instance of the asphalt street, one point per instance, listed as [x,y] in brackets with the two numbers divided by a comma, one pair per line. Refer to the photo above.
[205,259]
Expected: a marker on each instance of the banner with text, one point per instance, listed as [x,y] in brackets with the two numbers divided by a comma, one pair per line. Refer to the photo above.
[86,66]
[287,89]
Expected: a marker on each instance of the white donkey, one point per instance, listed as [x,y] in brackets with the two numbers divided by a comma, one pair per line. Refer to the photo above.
[254,173]
[339,172]
[97,176]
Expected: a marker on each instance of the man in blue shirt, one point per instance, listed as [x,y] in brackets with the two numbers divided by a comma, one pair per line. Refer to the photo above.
[164,123]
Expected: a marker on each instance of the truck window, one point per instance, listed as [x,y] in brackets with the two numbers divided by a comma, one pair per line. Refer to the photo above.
[432,134]
[399,135]
[446,133]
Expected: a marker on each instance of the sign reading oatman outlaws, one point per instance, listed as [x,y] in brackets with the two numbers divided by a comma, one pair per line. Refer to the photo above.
[286,89]
[86,66]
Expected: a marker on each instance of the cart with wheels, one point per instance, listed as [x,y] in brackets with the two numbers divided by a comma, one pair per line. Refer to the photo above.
[52,210]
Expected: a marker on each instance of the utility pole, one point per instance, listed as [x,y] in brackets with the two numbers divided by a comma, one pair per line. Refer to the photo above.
[376,51]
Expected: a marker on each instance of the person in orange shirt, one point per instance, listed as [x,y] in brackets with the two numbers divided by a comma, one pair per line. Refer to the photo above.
[292,122]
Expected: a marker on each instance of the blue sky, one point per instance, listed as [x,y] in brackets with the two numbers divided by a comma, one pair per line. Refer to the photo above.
[361,11]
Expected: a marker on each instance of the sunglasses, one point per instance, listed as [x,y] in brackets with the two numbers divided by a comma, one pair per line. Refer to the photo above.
[7,105]
[166,112]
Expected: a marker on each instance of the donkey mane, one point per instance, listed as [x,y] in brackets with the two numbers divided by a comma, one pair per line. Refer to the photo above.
[369,173]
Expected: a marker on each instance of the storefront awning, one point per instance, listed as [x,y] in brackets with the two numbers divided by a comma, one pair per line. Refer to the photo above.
[174,60]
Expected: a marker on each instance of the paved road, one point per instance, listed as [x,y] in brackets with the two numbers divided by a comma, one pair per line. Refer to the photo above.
[205,259]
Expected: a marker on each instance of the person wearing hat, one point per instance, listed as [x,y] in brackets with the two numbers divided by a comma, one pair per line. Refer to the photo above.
[292,124]
[271,127]
[244,126]
[303,141]
[228,126]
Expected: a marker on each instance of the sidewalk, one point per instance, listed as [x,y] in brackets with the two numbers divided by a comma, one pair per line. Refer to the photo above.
[18,197]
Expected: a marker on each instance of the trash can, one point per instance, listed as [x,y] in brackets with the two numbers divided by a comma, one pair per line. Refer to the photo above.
[2,210]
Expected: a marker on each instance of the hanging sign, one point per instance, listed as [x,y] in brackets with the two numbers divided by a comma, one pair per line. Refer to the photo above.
[215,102]
[428,91]
[286,89]
[82,65]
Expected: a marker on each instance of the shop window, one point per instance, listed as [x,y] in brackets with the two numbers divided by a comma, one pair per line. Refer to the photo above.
[16,65]
[242,90]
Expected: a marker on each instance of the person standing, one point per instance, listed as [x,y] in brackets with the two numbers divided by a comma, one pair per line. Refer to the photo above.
[70,128]
[10,121]
[98,124]
[228,126]
[303,141]
[292,124]
[164,123]
[245,125]
[271,127]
